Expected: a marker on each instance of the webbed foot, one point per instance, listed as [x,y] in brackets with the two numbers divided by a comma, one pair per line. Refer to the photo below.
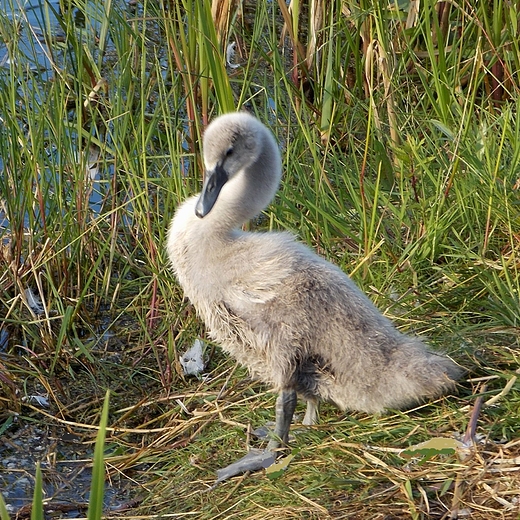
[253,461]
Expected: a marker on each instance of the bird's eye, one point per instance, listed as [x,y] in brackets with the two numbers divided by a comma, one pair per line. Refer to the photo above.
[229,152]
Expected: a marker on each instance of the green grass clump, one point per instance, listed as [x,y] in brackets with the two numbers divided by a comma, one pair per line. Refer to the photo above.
[400,137]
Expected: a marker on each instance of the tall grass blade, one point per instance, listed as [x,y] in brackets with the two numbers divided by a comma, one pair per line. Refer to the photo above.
[4,515]
[37,503]
[213,61]
[97,489]
[328,96]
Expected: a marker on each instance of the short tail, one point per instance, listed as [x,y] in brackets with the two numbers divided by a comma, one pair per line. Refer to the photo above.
[420,376]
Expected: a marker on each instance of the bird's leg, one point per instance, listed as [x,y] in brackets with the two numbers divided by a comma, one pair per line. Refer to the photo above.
[285,406]
[311,414]
[259,459]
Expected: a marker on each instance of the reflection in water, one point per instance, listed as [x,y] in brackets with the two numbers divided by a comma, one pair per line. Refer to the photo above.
[24,25]
[29,25]
[32,39]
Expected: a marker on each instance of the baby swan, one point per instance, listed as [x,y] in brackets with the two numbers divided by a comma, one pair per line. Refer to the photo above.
[294,319]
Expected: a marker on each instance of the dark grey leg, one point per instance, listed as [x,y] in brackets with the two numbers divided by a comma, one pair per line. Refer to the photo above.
[285,406]
[258,459]
[311,414]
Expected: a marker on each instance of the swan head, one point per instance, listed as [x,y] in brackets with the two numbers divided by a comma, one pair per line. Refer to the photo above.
[238,144]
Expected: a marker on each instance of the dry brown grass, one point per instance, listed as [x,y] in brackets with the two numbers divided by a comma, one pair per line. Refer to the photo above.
[163,449]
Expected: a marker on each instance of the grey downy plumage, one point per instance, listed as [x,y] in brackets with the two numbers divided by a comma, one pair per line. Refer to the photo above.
[294,319]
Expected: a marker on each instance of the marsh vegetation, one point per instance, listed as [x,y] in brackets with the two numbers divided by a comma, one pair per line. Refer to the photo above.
[400,137]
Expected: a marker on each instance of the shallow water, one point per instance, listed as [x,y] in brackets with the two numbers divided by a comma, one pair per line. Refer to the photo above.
[64,452]
[66,470]
[31,20]
[31,34]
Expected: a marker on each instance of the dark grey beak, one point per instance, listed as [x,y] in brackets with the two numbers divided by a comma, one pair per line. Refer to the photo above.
[210,191]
